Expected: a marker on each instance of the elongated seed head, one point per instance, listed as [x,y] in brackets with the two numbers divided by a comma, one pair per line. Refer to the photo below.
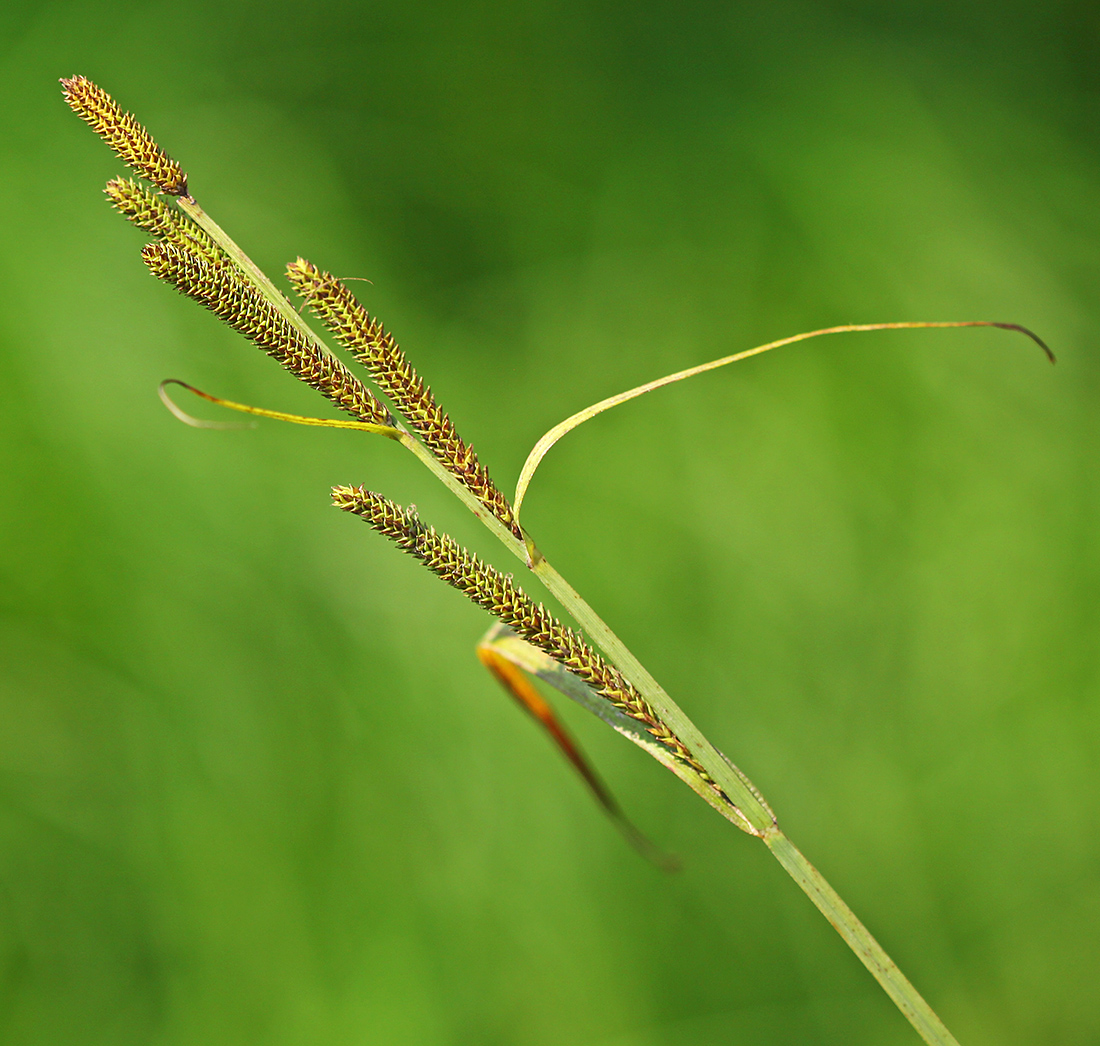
[373,346]
[122,132]
[246,310]
[497,593]
[151,214]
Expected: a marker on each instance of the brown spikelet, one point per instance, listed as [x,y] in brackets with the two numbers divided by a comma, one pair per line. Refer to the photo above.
[240,305]
[152,215]
[122,132]
[373,346]
[496,593]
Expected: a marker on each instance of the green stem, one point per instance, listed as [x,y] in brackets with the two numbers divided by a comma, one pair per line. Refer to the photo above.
[190,207]
[745,808]
[538,663]
[751,813]
[859,939]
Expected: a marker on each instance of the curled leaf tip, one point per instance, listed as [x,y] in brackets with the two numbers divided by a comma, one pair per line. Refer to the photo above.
[189,419]
[1030,334]
[262,412]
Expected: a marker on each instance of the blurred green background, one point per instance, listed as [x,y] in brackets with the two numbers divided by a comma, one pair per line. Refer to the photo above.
[255,787]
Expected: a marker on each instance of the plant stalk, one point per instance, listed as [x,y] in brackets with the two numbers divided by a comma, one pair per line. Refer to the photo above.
[745,807]
[859,939]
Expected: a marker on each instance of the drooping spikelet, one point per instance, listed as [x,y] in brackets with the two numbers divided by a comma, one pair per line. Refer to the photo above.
[496,593]
[246,310]
[122,132]
[373,346]
[152,215]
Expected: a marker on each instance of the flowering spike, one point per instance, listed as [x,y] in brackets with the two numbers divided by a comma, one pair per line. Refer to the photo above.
[245,309]
[121,131]
[373,346]
[152,215]
[496,593]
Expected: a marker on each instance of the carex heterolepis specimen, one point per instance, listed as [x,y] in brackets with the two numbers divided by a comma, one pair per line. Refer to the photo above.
[202,267]
[197,257]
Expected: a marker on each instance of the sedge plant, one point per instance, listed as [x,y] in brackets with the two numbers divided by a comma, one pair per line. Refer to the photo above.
[584,660]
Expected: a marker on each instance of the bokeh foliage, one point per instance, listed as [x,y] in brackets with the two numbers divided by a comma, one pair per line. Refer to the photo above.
[254,787]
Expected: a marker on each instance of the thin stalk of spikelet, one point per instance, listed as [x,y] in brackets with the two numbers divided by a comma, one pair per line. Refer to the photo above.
[152,215]
[496,593]
[122,132]
[245,309]
[373,346]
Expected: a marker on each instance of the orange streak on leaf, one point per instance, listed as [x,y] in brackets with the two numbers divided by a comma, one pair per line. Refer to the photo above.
[520,687]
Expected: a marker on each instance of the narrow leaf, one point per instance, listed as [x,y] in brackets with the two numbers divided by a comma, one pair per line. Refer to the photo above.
[261,412]
[538,663]
[515,681]
[540,449]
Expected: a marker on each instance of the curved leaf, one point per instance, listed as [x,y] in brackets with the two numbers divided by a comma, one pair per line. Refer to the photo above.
[540,449]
